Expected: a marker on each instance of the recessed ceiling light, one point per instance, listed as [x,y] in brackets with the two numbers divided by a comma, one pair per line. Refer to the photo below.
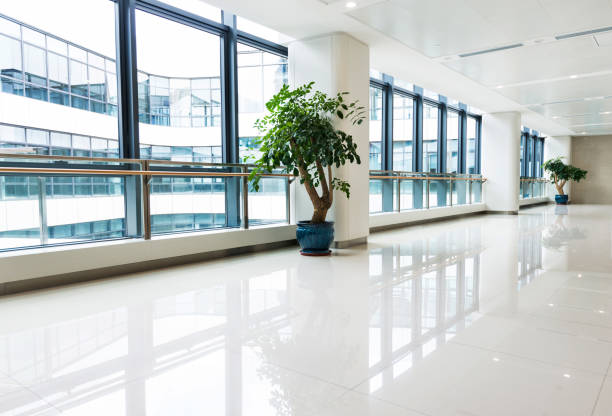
[556,117]
[573,76]
[351,5]
[605,112]
[567,375]
[499,87]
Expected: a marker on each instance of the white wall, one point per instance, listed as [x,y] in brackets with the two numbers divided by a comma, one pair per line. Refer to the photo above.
[501,134]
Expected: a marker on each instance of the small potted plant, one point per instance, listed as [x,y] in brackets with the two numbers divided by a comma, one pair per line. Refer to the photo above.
[560,174]
[299,137]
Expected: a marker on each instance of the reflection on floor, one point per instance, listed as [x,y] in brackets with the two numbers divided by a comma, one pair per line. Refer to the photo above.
[490,315]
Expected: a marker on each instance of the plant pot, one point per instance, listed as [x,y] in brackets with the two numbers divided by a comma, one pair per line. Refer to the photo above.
[561,199]
[315,238]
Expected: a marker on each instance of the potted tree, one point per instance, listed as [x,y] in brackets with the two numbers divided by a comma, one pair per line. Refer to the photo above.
[560,174]
[298,136]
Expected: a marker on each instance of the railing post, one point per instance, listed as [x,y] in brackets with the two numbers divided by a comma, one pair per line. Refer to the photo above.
[146,201]
[288,199]
[427,190]
[470,184]
[450,184]
[42,211]
[245,200]
[399,195]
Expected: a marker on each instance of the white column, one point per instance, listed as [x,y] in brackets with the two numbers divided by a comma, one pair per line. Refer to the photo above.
[558,146]
[336,63]
[501,144]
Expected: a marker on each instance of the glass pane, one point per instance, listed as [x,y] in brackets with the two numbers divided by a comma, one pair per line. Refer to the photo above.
[58,71]
[78,78]
[260,76]
[403,131]
[471,145]
[35,64]
[10,57]
[181,104]
[376,96]
[430,138]
[452,142]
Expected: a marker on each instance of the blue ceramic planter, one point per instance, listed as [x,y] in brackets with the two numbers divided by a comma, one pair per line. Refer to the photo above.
[561,199]
[315,239]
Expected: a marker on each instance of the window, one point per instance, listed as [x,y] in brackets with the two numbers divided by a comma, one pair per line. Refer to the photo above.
[403,132]
[179,91]
[260,75]
[376,111]
[430,138]
[68,61]
[452,141]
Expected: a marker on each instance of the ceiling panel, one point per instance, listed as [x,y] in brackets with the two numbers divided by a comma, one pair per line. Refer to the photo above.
[536,62]
[550,92]
[573,108]
[441,27]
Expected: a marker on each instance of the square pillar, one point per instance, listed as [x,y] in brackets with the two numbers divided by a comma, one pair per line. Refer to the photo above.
[336,63]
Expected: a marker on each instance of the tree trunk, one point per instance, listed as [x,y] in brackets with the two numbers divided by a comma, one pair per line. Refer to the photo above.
[559,189]
[319,214]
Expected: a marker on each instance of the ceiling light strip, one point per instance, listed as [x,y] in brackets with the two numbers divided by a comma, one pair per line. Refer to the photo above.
[501,48]
[586,32]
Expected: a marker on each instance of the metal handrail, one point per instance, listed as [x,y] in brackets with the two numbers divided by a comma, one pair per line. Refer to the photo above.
[427,177]
[146,174]
[121,160]
[432,178]
[115,172]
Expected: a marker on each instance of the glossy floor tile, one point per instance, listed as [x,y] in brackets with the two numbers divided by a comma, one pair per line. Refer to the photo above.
[487,315]
[604,404]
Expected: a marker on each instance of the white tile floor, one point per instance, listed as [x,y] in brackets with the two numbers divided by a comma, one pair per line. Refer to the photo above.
[486,316]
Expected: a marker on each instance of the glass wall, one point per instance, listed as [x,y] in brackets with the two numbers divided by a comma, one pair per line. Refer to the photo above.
[441,137]
[60,82]
[403,132]
[452,142]
[430,138]
[376,116]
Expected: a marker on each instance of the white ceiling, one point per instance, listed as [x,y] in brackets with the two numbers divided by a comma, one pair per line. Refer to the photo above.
[561,86]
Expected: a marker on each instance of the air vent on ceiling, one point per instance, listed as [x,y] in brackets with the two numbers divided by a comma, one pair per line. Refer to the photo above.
[586,32]
[501,48]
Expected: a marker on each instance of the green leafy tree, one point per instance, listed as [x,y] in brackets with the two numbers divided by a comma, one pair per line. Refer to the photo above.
[300,138]
[560,173]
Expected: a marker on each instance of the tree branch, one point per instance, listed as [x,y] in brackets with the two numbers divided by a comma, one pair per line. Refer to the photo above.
[312,192]
[330,178]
